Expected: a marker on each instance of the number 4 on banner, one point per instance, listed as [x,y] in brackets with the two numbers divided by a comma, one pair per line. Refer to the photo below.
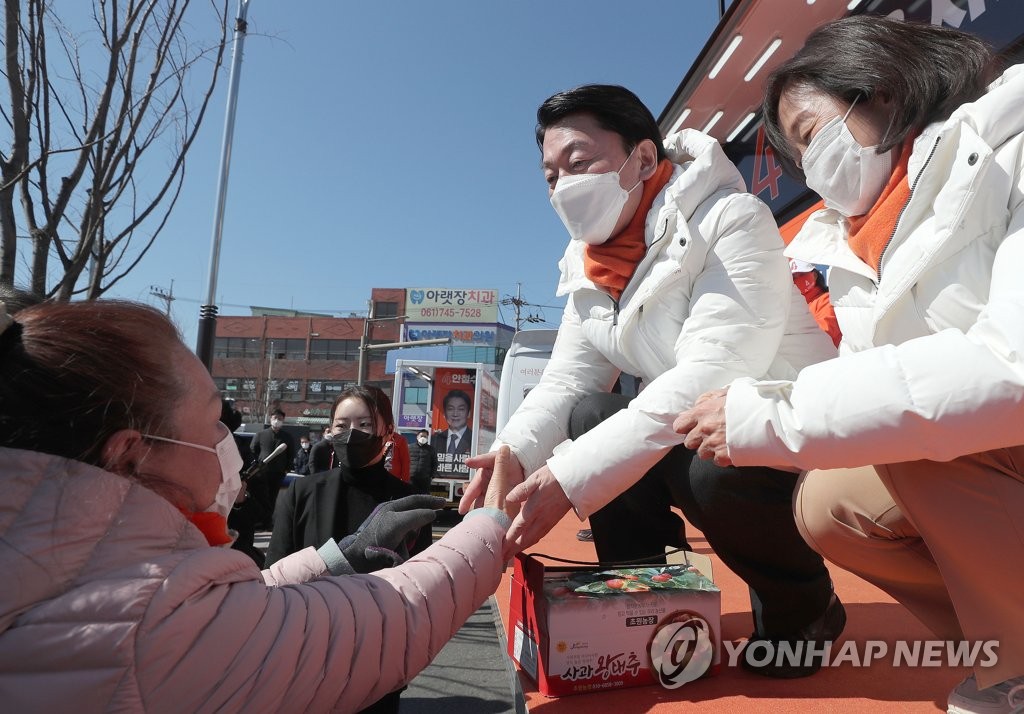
[769,178]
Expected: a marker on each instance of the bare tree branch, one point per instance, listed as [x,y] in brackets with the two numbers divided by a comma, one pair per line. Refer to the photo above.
[114,100]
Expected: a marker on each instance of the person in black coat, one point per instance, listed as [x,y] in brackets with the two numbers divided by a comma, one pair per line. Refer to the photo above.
[332,504]
[301,463]
[266,486]
[423,462]
[321,455]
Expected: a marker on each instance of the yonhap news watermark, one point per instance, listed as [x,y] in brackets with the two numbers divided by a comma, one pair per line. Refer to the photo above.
[681,651]
[901,653]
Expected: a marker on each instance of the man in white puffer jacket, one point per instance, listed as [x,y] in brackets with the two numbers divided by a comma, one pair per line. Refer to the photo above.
[676,275]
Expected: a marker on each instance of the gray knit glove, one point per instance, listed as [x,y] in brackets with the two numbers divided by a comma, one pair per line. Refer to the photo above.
[383,538]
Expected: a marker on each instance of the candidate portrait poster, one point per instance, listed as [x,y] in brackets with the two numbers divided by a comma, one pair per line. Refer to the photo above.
[452,420]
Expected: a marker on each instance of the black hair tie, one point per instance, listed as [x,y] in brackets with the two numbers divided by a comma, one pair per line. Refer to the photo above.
[10,337]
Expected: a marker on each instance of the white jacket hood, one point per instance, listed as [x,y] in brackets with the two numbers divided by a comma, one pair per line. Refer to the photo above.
[701,170]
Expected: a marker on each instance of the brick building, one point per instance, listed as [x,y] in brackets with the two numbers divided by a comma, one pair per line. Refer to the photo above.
[301,361]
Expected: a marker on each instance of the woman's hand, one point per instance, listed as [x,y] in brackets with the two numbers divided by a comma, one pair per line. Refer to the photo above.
[703,427]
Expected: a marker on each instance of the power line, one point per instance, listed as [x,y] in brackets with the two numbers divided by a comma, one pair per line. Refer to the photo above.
[165,295]
[518,303]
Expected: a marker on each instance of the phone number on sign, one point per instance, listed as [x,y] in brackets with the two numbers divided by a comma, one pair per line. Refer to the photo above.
[450,312]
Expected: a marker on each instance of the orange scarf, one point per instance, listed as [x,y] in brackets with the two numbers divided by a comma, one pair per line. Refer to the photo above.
[611,264]
[212,525]
[870,233]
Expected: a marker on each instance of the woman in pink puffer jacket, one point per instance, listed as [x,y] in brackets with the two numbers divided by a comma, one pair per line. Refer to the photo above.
[116,473]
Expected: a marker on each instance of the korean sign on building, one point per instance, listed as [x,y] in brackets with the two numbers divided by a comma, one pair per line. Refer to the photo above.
[459,334]
[449,305]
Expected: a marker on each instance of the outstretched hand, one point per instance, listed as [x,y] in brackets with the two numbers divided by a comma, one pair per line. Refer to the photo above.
[474,495]
[379,542]
[543,505]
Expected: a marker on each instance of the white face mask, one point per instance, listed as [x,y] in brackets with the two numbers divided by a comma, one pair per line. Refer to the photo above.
[275,423]
[850,177]
[422,440]
[590,204]
[230,464]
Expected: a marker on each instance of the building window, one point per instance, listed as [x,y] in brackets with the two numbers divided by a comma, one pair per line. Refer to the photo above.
[385,309]
[291,389]
[345,350]
[326,390]
[286,348]
[236,347]
[236,387]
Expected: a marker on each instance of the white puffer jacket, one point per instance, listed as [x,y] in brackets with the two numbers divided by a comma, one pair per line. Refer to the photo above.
[711,300]
[932,363]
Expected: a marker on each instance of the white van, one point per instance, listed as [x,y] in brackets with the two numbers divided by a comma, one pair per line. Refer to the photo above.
[524,363]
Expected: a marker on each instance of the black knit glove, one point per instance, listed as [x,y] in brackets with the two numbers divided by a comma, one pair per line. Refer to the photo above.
[380,542]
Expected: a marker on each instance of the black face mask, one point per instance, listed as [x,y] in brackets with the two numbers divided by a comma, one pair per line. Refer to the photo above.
[355,449]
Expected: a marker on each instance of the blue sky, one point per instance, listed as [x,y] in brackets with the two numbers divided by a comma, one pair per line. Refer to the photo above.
[390,144]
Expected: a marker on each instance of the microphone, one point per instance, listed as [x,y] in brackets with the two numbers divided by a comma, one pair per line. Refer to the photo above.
[275,452]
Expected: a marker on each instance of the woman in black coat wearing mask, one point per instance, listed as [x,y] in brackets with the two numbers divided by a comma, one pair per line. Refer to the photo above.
[333,504]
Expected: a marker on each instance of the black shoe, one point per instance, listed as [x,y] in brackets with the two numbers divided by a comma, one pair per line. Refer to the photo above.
[783,664]
[586,535]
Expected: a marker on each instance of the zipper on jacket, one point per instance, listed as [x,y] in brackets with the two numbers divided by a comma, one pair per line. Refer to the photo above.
[657,239]
[899,217]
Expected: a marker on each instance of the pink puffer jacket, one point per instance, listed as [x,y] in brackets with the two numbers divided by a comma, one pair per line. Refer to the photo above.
[111,601]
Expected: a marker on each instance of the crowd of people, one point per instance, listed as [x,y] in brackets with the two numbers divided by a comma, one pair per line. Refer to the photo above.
[123,476]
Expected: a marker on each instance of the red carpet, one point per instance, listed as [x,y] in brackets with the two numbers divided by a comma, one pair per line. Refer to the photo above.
[872,615]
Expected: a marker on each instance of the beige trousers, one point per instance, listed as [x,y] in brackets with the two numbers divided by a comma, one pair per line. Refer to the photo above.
[945,539]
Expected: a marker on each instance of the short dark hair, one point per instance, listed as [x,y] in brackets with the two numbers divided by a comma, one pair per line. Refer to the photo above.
[278,413]
[924,70]
[614,108]
[74,374]
[376,402]
[457,394]
[229,415]
[422,431]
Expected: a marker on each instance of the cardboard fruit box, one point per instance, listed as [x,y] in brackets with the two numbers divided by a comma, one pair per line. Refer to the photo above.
[575,630]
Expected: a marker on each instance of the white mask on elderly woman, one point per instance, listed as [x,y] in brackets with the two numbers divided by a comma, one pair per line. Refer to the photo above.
[230,465]
[848,176]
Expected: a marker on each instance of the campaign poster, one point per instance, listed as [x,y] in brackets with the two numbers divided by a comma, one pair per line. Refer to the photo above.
[452,419]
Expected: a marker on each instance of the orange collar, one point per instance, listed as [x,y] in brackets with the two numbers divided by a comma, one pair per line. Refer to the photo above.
[212,525]
[611,264]
[870,233]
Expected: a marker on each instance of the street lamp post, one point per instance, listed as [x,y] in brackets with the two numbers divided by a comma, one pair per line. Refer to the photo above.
[364,347]
[208,312]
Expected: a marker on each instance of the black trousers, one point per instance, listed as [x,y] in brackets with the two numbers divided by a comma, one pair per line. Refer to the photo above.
[745,513]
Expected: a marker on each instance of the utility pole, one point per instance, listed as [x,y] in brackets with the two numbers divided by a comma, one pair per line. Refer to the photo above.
[518,303]
[166,296]
[361,369]
[208,312]
[266,387]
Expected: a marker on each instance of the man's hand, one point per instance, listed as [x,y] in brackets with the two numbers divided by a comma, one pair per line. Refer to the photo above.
[473,496]
[704,427]
[543,505]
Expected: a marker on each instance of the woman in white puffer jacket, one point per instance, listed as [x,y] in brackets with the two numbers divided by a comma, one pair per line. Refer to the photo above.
[919,156]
